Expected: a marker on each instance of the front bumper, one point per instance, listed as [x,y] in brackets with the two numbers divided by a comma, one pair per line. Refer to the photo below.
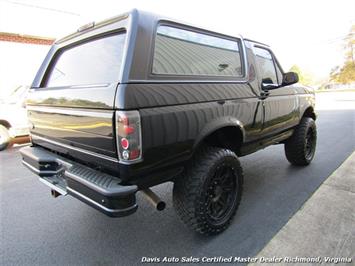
[99,190]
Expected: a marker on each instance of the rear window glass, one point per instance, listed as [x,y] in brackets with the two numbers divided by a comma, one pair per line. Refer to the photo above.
[183,52]
[94,62]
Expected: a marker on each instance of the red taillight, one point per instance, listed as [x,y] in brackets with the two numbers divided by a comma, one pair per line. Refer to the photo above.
[128,130]
[124,143]
[123,128]
[134,154]
[129,138]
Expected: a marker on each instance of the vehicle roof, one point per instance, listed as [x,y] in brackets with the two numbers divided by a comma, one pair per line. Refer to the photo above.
[256,42]
[141,15]
[140,28]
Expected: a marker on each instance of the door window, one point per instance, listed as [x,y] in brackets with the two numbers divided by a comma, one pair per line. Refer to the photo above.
[266,66]
[279,74]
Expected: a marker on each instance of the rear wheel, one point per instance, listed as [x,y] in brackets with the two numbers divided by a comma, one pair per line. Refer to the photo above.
[208,194]
[4,138]
[300,148]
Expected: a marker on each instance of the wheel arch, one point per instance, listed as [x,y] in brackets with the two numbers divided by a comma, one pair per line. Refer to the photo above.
[309,112]
[224,133]
[5,123]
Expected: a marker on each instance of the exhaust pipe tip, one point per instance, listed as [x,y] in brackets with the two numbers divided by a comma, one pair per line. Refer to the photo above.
[154,199]
[160,206]
[55,193]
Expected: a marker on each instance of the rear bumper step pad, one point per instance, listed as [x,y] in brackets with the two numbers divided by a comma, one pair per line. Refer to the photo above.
[99,190]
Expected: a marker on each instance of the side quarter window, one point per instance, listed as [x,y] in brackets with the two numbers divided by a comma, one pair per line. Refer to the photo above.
[266,66]
[188,53]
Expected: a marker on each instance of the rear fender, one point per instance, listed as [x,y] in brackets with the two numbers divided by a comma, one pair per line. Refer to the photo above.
[215,125]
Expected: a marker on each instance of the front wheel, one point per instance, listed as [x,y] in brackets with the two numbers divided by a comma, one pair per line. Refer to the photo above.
[4,138]
[207,195]
[301,146]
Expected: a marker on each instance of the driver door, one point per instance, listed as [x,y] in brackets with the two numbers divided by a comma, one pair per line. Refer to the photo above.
[279,105]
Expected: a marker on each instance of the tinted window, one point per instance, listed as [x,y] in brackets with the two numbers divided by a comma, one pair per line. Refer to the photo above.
[182,52]
[266,65]
[94,62]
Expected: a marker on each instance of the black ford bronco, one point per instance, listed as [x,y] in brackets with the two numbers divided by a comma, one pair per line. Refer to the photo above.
[137,100]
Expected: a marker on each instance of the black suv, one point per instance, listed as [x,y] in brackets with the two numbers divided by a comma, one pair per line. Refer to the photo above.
[137,100]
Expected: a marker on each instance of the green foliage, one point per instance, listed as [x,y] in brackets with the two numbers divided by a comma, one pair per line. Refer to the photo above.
[304,77]
[346,74]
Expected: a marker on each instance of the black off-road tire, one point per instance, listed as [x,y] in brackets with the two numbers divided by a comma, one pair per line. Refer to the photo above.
[4,138]
[301,146]
[214,176]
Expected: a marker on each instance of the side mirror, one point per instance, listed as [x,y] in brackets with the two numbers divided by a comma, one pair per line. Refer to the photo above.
[267,84]
[289,78]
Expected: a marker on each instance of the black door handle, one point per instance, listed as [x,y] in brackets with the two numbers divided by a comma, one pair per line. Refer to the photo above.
[264,94]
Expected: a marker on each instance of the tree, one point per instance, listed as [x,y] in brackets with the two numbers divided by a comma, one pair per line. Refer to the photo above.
[304,77]
[349,45]
[346,73]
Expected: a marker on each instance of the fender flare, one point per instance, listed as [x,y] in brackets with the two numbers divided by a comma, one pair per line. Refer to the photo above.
[217,124]
[5,123]
[310,111]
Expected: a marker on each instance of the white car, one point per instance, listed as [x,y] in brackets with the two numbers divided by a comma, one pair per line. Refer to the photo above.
[13,118]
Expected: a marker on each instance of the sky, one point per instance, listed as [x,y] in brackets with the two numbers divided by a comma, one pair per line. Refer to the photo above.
[308,33]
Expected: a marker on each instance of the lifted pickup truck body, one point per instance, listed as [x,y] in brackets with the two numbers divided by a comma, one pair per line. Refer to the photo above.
[138,100]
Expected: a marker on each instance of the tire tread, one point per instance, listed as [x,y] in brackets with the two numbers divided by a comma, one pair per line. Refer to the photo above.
[294,147]
[188,188]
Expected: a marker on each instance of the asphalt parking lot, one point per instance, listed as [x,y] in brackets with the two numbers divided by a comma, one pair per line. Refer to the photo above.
[37,229]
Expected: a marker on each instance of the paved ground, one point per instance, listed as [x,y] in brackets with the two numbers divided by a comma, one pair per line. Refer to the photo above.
[324,228]
[39,230]
[336,100]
